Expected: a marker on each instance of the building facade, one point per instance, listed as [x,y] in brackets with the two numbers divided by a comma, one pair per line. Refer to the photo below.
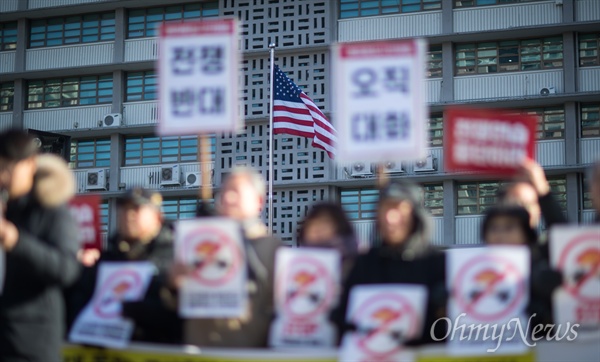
[85,69]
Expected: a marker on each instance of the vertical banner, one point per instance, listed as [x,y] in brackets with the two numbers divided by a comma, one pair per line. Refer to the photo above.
[489,291]
[379,100]
[85,209]
[198,77]
[216,288]
[575,251]
[490,141]
[385,317]
[306,289]
[100,323]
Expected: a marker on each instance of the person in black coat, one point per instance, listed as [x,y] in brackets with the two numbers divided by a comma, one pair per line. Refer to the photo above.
[142,235]
[403,255]
[39,237]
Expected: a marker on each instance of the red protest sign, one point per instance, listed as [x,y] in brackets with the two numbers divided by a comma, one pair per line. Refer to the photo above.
[489,141]
[85,209]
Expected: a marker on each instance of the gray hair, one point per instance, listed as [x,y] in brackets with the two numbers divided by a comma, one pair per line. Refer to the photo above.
[251,174]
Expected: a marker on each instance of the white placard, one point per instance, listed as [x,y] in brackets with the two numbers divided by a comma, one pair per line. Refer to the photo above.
[100,323]
[379,100]
[385,316]
[489,291]
[214,248]
[306,289]
[575,251]
[198,77]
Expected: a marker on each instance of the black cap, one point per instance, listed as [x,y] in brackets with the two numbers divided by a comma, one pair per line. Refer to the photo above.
[139,196]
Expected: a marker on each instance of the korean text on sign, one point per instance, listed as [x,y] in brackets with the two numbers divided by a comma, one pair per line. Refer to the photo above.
[379,100]
[198,77]
[84,209]
[488,140]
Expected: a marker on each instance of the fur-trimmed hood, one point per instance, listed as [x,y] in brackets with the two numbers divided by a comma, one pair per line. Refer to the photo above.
[54,181]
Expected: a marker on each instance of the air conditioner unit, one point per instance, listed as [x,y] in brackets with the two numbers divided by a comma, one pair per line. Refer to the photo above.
[170,175]
[193,179]
[425,165]
[392,167]
[96,179]
[547,90]
[112,120]
[361,169]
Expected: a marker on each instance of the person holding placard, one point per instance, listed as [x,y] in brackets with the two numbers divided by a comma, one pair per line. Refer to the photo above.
[510,225]
[142,235]
[241,198]
[327,226]
[39,239]
[402,256]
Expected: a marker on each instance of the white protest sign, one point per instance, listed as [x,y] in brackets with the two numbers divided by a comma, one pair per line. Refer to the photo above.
[489,291]
[198,77]
[217,286]
[100,323]
[306,289]
[385,316]
[379,100]
[575,251]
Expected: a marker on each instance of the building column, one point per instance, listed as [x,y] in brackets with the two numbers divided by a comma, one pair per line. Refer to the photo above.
[115,162]
[568,11]
[570,62]
[447,73]
[118,91]
[120,34]
[19,98]
[573,197]
[571,134]
[447,17]
[449,213]
[22,42]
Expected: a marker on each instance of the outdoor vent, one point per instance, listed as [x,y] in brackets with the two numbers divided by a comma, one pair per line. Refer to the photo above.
[425,165]
[112,120]
[96,179]
[170,175]
[193,179]
[547,90]
[392,167]
[361,169]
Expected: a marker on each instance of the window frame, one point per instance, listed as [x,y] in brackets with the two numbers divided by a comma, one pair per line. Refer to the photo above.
[149,80]
[588,60]
[11,27]
[435,62]
[433,139]
[495,3]
[100,153]
[59,92]
[544,115]
[161,154]
[187,208]
[481,207]
[71,30]
[7,96]
[345,6]
[595,129]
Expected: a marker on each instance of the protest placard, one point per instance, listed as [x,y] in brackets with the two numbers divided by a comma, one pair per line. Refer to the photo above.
[306,289]
[489,293]
[100,323]
[575,251]
[216,288]
[379,100]
[85,210]
[198,77]
[490,141]
[385,317]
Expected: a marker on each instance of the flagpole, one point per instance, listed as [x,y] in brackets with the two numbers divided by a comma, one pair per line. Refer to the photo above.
[271,175]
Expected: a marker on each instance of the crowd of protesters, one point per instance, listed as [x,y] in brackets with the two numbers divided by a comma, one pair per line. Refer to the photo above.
[47,283]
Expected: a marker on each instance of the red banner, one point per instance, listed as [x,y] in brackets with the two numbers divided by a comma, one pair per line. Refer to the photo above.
[489,141]
[85,209]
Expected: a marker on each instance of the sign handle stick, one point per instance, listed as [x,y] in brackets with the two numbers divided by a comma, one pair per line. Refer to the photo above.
[205,171]
[382,176]
[270,196]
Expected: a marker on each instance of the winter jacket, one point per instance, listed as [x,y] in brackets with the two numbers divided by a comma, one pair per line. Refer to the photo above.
[412,262]
[252,330]
[41,264]
[154,321]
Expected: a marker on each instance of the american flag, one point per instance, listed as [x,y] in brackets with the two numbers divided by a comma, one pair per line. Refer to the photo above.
[296,114]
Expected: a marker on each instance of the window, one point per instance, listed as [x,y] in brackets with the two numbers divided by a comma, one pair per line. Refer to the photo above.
[8,36]
[141,86]
[475,197]
[180,208]
[433,198]
[144,22]
[103,210]
[90,153]
[360,204]
[75,29]
[587,196]
[509,56]
[436,130]
[357,8]
[7,95]
[558,188]
[69,92]
[551,123]
[471,3]
[434,61]
[149,150]
[590,120]
[588,49]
